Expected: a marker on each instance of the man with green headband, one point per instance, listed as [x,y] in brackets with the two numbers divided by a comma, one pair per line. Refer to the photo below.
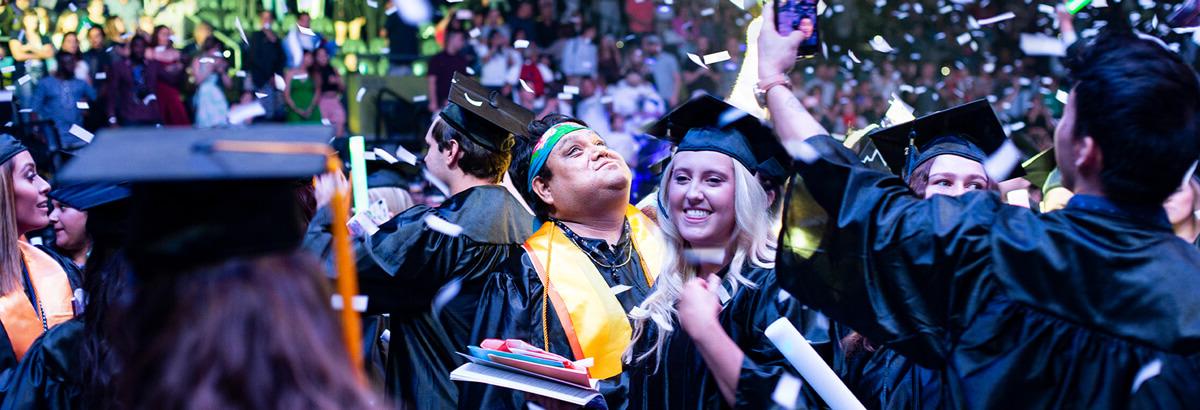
[592,259]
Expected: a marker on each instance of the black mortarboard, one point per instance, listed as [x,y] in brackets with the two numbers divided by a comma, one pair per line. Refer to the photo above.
[483,115]
[381,173]
[970,130]
[10,147]
[705,123]
[203,196]
[88,195]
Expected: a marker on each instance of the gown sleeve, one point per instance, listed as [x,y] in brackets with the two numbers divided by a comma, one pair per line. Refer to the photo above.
[510,300]
[860,247]
[45,378]
[763,365]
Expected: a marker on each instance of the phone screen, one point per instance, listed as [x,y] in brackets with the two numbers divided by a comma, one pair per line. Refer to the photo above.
[799,15]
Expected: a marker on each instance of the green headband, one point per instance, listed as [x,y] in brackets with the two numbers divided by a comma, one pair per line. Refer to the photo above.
[541,151]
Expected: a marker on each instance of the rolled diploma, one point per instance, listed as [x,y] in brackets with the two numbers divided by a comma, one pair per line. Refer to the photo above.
[812,367]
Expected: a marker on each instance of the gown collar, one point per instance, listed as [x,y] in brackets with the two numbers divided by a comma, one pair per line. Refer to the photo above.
[1154,215]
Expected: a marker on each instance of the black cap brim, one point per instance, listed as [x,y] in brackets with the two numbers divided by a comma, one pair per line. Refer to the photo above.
[975,122]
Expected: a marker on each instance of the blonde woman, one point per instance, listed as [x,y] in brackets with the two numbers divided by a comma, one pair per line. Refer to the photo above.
[699,339]
[36,287]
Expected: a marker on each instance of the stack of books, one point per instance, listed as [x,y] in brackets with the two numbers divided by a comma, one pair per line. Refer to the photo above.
[517,365]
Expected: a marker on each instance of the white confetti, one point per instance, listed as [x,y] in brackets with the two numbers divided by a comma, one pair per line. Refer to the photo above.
[565,96]
[617,290]
[420,98]
[730,116]
[8,69]
[519,44]
[24,79]
[380,153]
[708,12]
[710,256]
[260,94]
[714,58]
[279,83]
[463,14]
[370,156]
[570,89]
[1042,45]
[305,31]
[244,112]
[372,4]
[404,155]
[1146,373]
[697,59]
[437,183]
[35,241]
[240,74]
[207,60]
[470,71]
[358,303]
[787,390]
[1191,170]
[879,44]
[963,38]
[1000,163]
[25,110]
[853,57]
[1062,96]
[997,19]
[802,151]
[81,133]
[237,21]
[149,98]
[526,87]
[1017,197]
[6,96]
[722,293]
[1047,9]
[475,32]
[446,294]
[783,295]
[83,105]
[359,96]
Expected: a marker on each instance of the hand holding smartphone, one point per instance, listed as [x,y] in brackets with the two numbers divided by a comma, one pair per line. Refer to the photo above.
[799,15]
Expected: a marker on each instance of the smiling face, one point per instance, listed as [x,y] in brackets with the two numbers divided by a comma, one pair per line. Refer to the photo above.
[69,227]
[953,175]
[584,170]
[29,191]
[700,197]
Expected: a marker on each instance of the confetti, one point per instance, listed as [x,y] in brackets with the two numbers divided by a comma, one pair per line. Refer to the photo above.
[853,57]
[519,44]
[149,98]
[260,95]
[963,38]
[300,77]
[618,289]
[1000,163]
[730,116]
[1042,45]
[8,69]
[405,156]
[722,293]
[473,102]
[358,302]
[470,71]
[83,105]
[240,74]
[446,294]
[454,1]
[6,96]
[898,112]
[525,86]
[1047,9]
[697,59]
[1061,96]
[783,295]
[384,155]
[475,32]
[570,89]
[237,21]
[1146,373]
[305,31]
[463,14]
[279,83]
[565,96]
[716,57]
[879,44]
[1018,197]
[437,183]
[372,4]
[359,96]
[420,98]
[698,256]
[708,12]
[244,112]
[81,133]
[787,390]
[802,151]
[24,79]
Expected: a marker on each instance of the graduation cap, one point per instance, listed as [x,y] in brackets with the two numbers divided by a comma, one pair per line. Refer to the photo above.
[10,147]
[483,115]
[203,196]
[88,195]
[381,173]
[1039,169]
[971,131]
[706,123]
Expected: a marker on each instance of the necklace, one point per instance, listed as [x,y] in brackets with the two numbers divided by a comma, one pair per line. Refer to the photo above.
[628,257]
[42,310]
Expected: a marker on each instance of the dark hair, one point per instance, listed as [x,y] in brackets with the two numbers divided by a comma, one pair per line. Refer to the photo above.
[97,28]
[302,14]
[105,282]
[523,151]
[212,338]
[476,160]
[919,179]
[154,36]
[1139,102]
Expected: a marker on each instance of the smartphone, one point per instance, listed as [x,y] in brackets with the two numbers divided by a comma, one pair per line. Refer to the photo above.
[799,15]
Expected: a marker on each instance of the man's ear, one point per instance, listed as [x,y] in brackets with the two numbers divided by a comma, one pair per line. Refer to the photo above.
[542,190]
[1089,160]
[453,153]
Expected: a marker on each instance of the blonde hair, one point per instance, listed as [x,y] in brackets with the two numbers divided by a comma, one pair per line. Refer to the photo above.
[753,244]
[397,199]
[10,253]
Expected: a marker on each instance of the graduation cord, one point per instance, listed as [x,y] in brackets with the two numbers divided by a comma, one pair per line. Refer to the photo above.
[546,291]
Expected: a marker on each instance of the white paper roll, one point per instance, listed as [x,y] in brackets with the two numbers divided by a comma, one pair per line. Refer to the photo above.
[812,367]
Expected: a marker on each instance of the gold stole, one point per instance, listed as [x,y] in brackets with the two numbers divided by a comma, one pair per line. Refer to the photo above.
[591,316]
[21,321]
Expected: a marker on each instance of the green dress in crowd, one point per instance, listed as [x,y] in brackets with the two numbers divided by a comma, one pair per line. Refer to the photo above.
[304,90]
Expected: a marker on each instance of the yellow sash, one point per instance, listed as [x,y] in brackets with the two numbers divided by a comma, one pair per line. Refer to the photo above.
[22,323]
[591,316]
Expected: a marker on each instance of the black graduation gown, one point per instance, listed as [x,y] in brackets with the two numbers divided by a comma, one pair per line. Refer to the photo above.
[402,267]
[683,381]
[49,376]
[511,308]
[885,379]
[1012,308]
